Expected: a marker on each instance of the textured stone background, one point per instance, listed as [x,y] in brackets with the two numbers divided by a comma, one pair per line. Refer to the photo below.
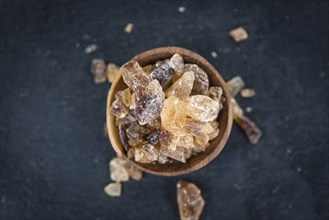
[53,156]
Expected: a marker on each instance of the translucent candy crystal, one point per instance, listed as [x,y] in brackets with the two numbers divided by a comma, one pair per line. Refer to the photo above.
[113,189]
[201,142]
[118,109]
[250,129]
[150,152]
[149,106]
[173,115]
[247,93]
[125,97]
[235,85]
[177,63]
[162,72]
[118,171]
[202,108]
[98,69]
[201,82]
[183,141]
[195,127]
[132,171]
[190,201]
[182,87]
[133,101]
[175,152]
[136,132]
[215,93]
[112,72]
[134,76]
[140,156]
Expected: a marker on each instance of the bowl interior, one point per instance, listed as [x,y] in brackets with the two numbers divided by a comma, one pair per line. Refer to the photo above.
[224,119]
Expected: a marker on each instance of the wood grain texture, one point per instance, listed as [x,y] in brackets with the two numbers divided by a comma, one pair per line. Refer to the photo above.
[225,118]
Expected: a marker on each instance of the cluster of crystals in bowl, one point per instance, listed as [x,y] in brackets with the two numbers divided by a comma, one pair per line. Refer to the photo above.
[167,111]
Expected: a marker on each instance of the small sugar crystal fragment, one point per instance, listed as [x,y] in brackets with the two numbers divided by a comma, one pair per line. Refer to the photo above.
[201,82]
[182,87]
[134,76]
[112,72]
[150,152]
[113,189]
[98,69]
[190,201]
[177,63]
[173,115]
[250,129]
[125,97]
[134,173]
[163,72]
[215,93]
[202,108]
[129,28]
[235,85]
[238,34]
[247,93]
[149,106]
[118,171]
[118,108]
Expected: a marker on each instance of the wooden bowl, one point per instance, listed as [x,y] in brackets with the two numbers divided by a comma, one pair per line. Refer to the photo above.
[225,118]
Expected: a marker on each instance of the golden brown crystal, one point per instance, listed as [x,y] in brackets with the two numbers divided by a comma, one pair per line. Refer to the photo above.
[98,69]
[182,87]
[202,108]
[113,189]
[201,82]
[112,72]
[190,201]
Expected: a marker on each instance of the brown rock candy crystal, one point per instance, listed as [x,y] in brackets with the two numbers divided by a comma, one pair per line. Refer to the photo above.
[149,106]
[202,108]
[190,201]
[182,87]
[134,76]
[201,82]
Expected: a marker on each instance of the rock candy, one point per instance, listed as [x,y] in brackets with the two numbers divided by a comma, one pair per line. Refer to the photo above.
[215,93]
[202,108]
[190,201]
[162,72]
[112,72]
[150,152]
[118,109]
[118,171]
[149,106]
[134,76]
[177,63]
[113,189]
[98,69]
[173,115]
[182,87]
[201,82]
[235,85]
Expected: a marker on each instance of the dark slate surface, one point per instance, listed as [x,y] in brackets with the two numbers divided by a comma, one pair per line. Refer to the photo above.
[54,157]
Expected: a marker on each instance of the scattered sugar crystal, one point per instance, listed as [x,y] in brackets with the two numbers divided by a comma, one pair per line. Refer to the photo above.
[113,189]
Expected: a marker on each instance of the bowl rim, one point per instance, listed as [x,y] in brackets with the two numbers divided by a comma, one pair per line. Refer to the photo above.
[228,125]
